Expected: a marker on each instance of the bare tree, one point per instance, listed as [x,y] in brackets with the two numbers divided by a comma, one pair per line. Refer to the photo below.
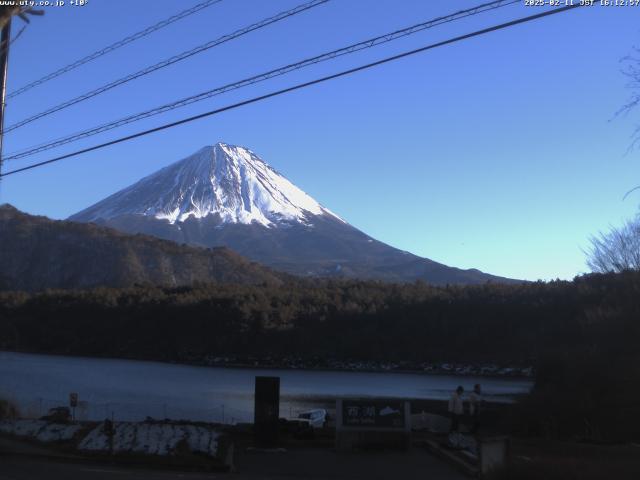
[631,70]
[619,249]
[616,250]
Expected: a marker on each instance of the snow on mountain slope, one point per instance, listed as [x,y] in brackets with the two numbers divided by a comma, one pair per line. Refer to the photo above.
[225,195]
[222,179]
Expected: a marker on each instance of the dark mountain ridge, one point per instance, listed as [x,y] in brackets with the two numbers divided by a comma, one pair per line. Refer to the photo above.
[39,253]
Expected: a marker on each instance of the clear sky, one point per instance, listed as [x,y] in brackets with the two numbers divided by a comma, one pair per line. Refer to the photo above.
[500,153]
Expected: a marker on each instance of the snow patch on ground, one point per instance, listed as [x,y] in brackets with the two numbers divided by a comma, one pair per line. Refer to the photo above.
[152,439]
[128,437]
[40,430]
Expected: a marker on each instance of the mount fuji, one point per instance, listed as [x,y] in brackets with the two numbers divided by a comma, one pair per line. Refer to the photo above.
[225,195]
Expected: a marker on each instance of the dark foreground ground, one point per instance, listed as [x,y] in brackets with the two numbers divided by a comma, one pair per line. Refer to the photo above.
[25,468]
[568,462]
[316,464]
[531,459]
[534,459]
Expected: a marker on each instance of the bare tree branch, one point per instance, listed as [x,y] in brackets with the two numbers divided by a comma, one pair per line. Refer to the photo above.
[617,250]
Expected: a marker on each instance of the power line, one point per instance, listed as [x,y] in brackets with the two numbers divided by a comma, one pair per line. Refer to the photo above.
[170,61]
[372,42]
[115,46]
[7,44]
[298,87]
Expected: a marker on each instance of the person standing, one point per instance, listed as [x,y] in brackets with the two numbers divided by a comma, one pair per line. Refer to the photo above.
[456,409]
[475,403]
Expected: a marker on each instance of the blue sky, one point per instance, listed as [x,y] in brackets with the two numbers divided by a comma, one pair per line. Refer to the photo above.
[500,153]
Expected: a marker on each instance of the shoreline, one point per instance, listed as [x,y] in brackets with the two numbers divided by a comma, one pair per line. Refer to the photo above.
[514,374]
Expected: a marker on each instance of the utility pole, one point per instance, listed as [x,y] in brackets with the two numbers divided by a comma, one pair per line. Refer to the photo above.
[5,41]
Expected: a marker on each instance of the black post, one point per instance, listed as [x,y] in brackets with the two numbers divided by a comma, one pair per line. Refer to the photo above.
[5,43]
[266,411]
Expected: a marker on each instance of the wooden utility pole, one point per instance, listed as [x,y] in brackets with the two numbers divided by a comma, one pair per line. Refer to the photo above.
[5,43]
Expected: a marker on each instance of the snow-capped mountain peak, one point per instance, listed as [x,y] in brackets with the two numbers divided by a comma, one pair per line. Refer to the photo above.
[225,180]
[224,195]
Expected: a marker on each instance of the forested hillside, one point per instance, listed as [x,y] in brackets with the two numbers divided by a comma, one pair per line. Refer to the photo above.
[39,253]
[329,318]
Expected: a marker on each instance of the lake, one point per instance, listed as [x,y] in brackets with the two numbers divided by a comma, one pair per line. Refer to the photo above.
[133,390]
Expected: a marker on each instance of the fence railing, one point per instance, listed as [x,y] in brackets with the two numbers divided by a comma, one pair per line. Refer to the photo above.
[88,410]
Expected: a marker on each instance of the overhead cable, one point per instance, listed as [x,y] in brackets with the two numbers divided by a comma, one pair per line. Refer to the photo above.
[298,87]
[369,43]
[114,46]
[169,61]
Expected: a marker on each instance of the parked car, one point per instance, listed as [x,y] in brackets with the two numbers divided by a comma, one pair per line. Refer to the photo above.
[314,418]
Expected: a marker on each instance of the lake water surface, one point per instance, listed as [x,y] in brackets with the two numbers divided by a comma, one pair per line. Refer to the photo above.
[133,390]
